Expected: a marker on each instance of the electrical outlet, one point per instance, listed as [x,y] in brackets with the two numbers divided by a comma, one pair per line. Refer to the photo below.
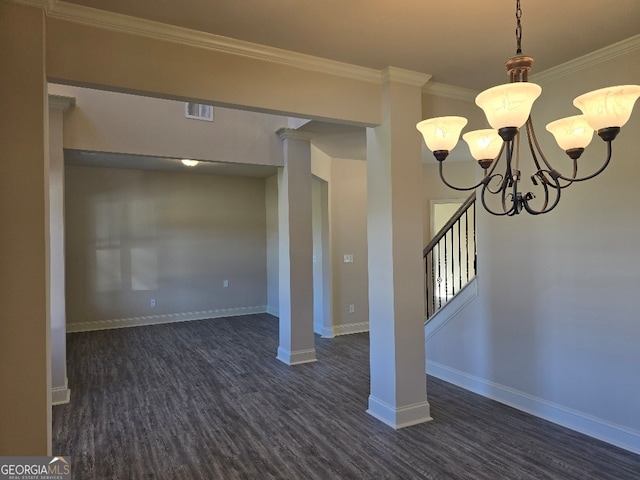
[352,308]
[225,283]
[348,258]
[152,302]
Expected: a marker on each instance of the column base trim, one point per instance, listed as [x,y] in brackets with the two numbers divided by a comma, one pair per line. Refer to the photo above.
[399,417]
[297,357]
[345,329]
[60,395]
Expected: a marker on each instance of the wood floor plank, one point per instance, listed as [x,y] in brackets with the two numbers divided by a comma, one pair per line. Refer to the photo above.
[209,400]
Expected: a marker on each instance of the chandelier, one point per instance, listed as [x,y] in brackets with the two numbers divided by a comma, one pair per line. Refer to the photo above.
[507,108]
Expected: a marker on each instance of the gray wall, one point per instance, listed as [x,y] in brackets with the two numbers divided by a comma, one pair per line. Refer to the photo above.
[133,236]
[554,329]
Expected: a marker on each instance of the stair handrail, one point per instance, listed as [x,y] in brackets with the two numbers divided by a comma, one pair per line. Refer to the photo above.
[454,218]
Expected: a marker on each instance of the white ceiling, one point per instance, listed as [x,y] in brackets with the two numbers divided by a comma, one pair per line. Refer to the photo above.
[460,42]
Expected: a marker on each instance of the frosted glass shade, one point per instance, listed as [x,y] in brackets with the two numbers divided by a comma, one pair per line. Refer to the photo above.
[571,132]
[508,105]
[441,133]
[608,107]
[483,144]
[189,163]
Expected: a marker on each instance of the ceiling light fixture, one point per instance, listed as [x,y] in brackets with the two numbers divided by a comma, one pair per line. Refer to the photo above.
[507,108]
[189,163]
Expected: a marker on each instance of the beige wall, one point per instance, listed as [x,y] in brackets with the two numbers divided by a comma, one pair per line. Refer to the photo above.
[346,185]
[112,122]
[457,173]
[133,236]
[271,199]
[87,56]
[25,402]
[349,237]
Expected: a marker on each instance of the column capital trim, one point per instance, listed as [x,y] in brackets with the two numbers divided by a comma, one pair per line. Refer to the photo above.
[406,77]
[291,134]
[61,102]
[444,90]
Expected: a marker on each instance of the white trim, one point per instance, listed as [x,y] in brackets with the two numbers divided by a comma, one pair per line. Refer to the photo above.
[618,435]
[61,395]
[591,59]
[160,31]
[146,28]
[345,329]
[405,77]
[399,417]
[444,90]
[275,311]
[162,318]
[61,102]
[451,308]
[297,357]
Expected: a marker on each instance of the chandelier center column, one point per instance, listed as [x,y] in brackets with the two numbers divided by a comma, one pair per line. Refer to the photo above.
[295,250]
[396,284]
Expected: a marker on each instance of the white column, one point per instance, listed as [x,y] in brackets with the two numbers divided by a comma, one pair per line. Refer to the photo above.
[295,250]
[396,320]
[59,386]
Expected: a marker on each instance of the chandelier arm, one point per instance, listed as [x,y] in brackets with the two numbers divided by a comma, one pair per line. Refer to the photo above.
[598,172]
[495,162]
[534,145]
[544,209]
[460,189]
[574,175]
[510,180]
[486,207]
[501,183]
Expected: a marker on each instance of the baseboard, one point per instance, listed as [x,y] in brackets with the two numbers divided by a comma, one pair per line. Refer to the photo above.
[399,417]
[451,308]
[275,311]
[346,329]
[604,430]
[297,357]
[163,318]
[60,395]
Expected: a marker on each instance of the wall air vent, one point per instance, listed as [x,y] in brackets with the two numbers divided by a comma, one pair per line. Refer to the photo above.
[198,111]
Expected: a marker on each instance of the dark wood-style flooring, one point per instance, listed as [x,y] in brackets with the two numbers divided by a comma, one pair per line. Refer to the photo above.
[209,400]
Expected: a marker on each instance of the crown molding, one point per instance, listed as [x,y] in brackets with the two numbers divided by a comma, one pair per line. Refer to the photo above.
[160,31]
[591,59]
[449,91]
[61,102]
[406,77]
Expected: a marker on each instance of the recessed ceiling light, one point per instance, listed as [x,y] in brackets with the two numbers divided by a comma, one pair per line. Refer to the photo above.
[189,163]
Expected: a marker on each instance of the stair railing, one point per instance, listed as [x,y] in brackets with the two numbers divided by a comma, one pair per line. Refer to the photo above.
[450,257]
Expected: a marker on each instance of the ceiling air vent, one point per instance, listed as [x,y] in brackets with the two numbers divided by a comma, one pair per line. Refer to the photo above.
[198,111]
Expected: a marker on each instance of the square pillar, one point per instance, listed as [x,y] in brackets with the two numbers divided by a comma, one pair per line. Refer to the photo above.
[396,285]
[297,344]
[25,359]
[55,189]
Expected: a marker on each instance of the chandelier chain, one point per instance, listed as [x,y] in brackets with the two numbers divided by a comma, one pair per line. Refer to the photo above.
[518,28]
